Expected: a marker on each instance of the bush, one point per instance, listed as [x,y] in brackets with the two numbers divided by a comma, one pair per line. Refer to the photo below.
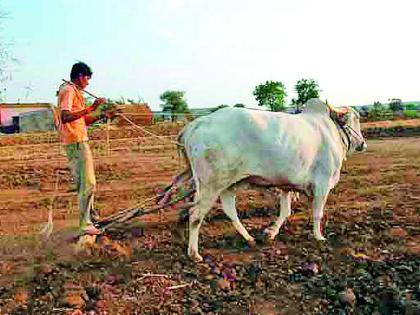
[411,113]
[378,115]
[411,106]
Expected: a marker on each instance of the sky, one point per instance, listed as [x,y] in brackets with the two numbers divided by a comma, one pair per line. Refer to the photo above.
[217,51]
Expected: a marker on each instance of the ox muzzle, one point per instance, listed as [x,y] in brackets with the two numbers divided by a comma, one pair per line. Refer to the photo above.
[362,147]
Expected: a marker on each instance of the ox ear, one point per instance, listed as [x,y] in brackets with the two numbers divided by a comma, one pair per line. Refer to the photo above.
[341,118]
[341,115]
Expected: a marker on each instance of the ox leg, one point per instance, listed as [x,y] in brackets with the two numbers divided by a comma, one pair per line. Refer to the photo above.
[319,200]
[285,212]
[228,198]
[197,214]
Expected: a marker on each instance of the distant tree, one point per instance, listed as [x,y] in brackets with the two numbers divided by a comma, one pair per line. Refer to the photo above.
[271,94]
[239,105]
[174,103]
[396,105]
[377,112]
[411,106]
[378,107]
[305,89]
[364,111]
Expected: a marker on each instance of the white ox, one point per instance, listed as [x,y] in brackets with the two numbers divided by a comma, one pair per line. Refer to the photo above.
[302,152]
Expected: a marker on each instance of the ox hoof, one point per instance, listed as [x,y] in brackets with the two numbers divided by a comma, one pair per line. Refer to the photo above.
[196,257]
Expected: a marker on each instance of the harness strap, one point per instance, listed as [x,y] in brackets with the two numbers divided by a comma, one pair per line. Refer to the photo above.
[347,136]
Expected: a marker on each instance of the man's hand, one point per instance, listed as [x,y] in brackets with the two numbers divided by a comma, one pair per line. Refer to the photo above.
[111,111]
[98,102]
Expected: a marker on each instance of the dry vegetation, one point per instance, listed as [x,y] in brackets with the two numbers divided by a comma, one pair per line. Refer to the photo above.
[370,262]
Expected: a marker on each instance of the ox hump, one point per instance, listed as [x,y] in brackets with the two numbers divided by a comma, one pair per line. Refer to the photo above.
[315,105]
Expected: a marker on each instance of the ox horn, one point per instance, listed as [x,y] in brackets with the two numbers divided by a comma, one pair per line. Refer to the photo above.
[330,108]
[338,110]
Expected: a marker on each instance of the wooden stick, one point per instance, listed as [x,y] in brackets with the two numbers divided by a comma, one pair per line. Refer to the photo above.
[87,92]
[129,214]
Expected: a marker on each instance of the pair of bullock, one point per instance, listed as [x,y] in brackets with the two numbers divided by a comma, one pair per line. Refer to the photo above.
[296,153]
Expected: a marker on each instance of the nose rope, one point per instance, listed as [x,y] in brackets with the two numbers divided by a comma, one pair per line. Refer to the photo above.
[347,130]
[356,133]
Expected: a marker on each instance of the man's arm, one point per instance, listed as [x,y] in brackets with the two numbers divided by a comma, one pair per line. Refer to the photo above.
[68,116]
[90,118]
[109,113]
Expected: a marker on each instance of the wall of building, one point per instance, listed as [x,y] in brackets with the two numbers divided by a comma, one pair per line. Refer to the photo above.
[8,111]
[36,121]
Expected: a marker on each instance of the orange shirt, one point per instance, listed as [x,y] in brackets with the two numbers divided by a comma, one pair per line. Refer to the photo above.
[70,98]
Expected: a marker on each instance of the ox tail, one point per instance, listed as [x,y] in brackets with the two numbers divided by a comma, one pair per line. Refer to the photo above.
[182,154]
[177,181]
[184,176]
[192,184]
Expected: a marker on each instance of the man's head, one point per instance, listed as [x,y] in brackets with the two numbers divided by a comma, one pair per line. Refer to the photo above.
[80,74]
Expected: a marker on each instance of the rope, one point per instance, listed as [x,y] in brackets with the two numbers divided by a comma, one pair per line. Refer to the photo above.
[147,131]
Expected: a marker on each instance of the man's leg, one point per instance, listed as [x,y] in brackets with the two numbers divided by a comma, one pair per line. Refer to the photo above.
[74,161]
[87,187]
[82,169]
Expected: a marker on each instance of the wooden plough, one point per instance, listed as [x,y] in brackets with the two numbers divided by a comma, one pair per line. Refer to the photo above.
[163,200]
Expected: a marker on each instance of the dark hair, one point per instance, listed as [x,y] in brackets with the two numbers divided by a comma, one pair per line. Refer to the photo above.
[78,69]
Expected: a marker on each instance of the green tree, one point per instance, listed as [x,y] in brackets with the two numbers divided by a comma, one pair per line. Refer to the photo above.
[364,111]
[410,106]
[377,112]
[305,89]
[396,105]
[174,102]
[271,94]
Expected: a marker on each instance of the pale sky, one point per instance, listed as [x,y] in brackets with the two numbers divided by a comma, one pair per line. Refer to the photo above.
[217,51]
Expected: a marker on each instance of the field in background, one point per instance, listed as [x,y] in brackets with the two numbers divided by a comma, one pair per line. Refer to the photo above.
[392,123]
[373,237]
[168,128]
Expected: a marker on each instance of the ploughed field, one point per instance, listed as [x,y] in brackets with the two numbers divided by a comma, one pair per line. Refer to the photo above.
[370,262]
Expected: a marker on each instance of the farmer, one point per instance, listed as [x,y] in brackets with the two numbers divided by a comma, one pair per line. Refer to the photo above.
[75,117]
